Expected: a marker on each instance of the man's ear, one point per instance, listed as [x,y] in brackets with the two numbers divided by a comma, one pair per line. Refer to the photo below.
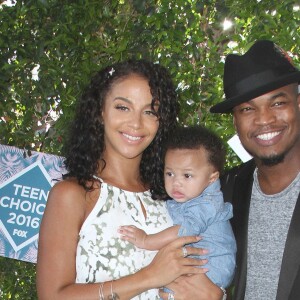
[233,121]
[214,176]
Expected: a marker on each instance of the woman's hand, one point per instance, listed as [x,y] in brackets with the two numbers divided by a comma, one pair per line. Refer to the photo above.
[193,287]
[171,262]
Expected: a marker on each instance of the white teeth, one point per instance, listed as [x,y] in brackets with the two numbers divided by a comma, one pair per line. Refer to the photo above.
[268,136]
[132,138]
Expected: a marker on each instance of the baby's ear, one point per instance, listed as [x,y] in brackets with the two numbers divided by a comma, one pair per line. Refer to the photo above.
[214,176]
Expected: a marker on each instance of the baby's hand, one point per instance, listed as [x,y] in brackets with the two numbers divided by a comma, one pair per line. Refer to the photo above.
[133,235]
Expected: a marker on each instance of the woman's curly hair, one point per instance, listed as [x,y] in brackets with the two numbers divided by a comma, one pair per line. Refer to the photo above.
[85,145]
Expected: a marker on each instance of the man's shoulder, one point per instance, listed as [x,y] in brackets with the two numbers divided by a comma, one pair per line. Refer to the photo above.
[228,179]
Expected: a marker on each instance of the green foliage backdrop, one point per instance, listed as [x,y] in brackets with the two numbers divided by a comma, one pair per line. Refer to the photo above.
[65,42]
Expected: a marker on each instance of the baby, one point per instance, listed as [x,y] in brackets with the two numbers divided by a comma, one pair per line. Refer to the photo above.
[194,159]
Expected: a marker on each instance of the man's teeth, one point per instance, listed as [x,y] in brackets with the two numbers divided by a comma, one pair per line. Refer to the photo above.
[268,136]
[133,138]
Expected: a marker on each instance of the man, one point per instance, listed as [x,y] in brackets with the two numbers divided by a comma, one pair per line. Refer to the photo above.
[261,89]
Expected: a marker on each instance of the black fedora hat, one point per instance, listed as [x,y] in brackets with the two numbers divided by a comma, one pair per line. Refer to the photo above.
[263,68]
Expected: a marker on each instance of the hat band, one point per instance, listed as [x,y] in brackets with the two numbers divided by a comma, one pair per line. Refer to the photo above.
[251,83]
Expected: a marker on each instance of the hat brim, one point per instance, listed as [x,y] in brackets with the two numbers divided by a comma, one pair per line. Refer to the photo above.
[227,105]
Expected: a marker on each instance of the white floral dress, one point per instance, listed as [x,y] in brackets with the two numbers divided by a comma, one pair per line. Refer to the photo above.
[101,254]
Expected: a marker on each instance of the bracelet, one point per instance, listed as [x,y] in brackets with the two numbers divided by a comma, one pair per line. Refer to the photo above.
[101,295]
[224,293]
[111,291]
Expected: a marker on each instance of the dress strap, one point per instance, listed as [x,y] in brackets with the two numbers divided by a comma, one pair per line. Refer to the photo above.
[98,178]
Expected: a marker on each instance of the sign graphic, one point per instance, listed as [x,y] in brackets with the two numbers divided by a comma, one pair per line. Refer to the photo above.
[238,148]
[24,187]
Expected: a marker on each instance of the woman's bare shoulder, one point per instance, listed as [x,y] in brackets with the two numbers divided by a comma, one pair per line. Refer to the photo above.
[67,192]
[69,185]
[66,205]
[68,195]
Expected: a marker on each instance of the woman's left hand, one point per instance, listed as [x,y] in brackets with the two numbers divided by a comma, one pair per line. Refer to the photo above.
[193,287]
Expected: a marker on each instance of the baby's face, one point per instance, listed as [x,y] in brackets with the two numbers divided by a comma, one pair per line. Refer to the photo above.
[187,173]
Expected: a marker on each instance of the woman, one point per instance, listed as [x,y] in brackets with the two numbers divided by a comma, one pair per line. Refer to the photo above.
[113,157]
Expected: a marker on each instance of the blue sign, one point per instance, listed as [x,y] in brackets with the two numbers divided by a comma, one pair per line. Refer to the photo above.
[24,187]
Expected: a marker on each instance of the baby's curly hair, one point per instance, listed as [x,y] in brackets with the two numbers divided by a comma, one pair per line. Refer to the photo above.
[195,137]
[85,145]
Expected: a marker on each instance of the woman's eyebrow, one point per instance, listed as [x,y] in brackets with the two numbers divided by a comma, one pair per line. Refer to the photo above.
[156,104]
[122,98]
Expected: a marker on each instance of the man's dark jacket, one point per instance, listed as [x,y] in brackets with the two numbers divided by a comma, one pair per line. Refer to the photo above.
[237,186]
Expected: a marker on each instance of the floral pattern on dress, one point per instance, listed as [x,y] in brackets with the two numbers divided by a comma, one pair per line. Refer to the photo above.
[101,254]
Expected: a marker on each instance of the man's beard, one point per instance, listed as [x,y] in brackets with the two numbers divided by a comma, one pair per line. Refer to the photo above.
[272,160]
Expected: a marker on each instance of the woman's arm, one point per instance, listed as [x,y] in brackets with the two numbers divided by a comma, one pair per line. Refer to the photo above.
[194,287]
[67,207]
